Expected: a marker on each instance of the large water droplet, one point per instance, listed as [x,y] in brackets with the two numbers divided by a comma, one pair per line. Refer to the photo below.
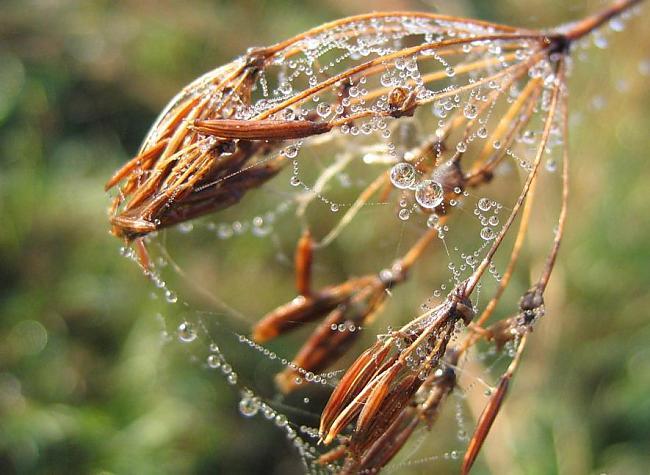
[429,194]
[403,175]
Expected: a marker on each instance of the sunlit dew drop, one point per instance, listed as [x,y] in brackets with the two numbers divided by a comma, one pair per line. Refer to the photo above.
[551,165]
[403,175]
[432,221]
[334,207]
[171,296]
[482,132]
[404,214]
[214,361]
[323,109]
[291,151]
[281,420]
[616,24]
[185,227]
[386,79]
[487,233]
[496,144]
[249,406]
[186,332]
[461,147]
[429,194]
[450,72]
[470,111]
[600,41]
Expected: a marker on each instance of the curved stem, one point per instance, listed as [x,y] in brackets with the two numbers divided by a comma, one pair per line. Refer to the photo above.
[589,24]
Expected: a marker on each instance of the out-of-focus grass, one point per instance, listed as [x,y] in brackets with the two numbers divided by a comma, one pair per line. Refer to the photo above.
[85,386]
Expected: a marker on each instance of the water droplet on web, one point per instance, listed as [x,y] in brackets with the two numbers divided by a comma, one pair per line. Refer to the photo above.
[461,147]
[286,88]
[214,361]
[432,221]
[470,111]
[186,332]
[323,109]
[482,132]
[185,227]
[600,40]
[249,406]
[290,152]
[334,207]
[551,165]
[496,144]
[281,420]
[403,175]
[171,296]
[429,194]
[450,72]
[404,214]
[616,24]
[487,233]
[386,79]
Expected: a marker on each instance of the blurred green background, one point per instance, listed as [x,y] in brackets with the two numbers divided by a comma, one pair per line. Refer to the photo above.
[86,385]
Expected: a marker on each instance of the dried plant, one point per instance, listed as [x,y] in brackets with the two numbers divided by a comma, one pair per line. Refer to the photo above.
[234,129]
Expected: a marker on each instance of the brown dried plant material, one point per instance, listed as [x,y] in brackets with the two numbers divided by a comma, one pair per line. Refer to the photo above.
[236,128]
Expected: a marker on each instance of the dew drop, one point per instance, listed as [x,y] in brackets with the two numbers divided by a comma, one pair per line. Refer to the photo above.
[616,24]
[386,79]
[323,109]
[403,175]
[429,194]
[487,233]
[171,296]
[470,111]
[432,221]
[290,152]
[551,165]
[186,332]
[281,420]
[249,406]
[214,361]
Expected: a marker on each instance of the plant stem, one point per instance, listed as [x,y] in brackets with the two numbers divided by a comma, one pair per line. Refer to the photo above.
[589,24]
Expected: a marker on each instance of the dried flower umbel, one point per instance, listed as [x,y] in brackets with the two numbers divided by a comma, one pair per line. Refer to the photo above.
[234,129]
